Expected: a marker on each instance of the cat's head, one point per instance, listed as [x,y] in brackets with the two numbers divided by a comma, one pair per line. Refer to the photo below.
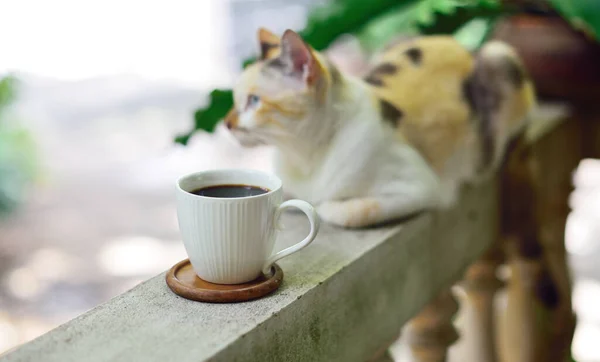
[277,96]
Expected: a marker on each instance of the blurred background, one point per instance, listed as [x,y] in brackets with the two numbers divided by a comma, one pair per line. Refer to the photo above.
[92,95]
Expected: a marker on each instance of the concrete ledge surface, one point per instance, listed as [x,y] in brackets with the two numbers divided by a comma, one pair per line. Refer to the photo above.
[342,299]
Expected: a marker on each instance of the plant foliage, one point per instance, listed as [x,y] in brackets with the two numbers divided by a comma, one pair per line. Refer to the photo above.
[583,15]
[17,163]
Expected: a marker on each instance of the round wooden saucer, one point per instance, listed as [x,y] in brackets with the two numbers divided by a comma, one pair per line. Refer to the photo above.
[184,282]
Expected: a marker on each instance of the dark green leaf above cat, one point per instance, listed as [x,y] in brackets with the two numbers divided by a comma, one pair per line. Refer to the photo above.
[206,119]
[584,15]
[325,24]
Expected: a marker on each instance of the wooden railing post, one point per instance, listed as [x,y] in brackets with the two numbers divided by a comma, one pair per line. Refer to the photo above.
[431,332]
[535,190]
[480,285]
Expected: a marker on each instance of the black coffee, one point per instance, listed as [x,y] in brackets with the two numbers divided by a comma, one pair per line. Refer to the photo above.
[225,191]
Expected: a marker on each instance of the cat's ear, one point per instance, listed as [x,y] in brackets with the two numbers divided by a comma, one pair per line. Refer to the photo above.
[298,57]
[269,44]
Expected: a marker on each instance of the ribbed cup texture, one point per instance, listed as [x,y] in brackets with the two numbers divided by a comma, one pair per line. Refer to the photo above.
[227,240]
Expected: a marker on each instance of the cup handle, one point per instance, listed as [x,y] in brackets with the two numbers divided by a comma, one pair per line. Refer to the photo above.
[314,220]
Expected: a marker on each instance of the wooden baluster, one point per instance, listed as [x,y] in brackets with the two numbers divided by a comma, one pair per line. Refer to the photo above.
[480,285]
[536,186]
[520,331]
[590,122]
[431,332]
[554,159]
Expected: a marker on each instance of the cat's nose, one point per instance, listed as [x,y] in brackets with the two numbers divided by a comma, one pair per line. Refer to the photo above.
[231,119]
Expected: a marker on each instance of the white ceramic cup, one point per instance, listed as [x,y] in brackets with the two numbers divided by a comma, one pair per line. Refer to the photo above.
[230,240]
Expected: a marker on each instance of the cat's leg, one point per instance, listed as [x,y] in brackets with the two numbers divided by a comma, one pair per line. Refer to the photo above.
[401,186]
[368,211]
[372,210]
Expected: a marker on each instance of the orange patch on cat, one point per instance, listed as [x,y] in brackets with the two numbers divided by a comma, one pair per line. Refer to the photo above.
[362,211]
[268,106]
[266,36]
[269,44]
[232,119]
[321,74]
[272,120]
[263,116]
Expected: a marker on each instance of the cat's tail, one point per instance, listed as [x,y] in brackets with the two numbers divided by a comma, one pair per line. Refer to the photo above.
[502,96]
[512,78]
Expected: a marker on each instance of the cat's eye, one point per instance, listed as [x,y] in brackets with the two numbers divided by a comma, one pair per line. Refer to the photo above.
[253,99]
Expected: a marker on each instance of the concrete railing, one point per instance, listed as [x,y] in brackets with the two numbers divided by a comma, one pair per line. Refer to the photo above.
[344,298]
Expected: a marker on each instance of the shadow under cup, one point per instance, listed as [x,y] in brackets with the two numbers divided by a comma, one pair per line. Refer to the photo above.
[228,240]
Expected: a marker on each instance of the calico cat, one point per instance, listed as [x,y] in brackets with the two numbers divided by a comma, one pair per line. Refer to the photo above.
[429,117]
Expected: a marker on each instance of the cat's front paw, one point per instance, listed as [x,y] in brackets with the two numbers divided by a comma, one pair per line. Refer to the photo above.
[353,213]
[330,213]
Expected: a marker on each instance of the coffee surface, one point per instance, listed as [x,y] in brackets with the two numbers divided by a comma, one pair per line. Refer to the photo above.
[229,191]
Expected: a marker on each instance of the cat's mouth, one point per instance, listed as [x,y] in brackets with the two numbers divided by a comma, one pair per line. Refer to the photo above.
[247,138]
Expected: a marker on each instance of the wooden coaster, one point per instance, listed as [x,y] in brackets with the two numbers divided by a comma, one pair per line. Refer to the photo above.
[184,282]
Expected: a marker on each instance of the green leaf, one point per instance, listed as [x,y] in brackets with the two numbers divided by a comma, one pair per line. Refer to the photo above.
[18,161]
[206,119]
[248,61]
[7,91]
[431,11]
[464,12]
[428,16]
[325,24]
[583,15]
[446,6]
[381,30]
[474,33]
